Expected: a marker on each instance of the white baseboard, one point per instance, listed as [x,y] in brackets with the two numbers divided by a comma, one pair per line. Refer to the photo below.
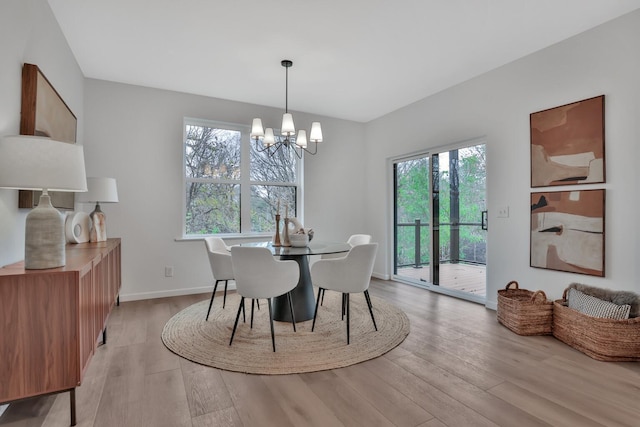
[200,290]
[381,276]
[170,293]
[492,305]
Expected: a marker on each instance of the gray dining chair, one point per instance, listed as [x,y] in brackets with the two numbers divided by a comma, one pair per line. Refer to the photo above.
[258,275]
[348,275]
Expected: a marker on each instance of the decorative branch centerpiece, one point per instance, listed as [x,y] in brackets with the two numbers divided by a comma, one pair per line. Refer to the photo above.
[293,233]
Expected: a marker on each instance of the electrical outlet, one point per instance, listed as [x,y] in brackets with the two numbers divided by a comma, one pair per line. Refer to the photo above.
[168,271]
[503,212]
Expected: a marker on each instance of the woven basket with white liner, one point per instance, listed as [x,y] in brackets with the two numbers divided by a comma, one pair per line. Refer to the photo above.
[525,312]
[610,340]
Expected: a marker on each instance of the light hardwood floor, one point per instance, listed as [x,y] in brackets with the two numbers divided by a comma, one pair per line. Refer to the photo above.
[458,367]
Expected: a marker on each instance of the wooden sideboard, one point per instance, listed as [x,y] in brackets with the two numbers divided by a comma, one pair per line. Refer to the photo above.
[51,320]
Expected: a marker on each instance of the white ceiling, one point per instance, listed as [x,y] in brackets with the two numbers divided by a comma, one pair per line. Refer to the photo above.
[353,59]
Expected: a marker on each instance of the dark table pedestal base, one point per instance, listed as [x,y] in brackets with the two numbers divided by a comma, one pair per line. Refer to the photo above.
[304,302]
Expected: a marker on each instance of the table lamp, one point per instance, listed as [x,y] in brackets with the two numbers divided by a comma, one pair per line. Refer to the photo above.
[101,190]
[38,163]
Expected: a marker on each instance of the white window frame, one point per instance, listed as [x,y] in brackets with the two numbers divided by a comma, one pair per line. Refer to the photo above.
[245,181]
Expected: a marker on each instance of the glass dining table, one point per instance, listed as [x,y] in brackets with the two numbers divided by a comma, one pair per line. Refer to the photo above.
[302,295]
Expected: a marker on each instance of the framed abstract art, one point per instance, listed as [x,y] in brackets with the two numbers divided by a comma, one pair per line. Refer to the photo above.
[567,231]
[44,113]
[567,144]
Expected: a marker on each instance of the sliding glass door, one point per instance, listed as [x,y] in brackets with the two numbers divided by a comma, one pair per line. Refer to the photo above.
[440,221]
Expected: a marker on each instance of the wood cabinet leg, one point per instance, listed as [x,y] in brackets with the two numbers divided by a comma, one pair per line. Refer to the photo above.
[72,403]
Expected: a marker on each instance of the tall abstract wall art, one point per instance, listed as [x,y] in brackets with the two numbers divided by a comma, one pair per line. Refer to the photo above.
[567,231]
[567,144]
[44,113]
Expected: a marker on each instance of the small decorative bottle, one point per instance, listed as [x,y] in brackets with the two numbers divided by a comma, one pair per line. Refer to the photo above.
[285,234]
[276,237]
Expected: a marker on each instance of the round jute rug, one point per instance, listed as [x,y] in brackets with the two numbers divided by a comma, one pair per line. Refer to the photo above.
[207,342]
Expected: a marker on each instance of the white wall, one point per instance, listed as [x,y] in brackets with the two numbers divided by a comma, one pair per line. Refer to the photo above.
[134,134]
[605,60]
[29,33]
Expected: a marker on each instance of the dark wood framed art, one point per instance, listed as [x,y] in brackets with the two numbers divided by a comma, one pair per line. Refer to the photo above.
[567,231]
[567,144]
[44,113]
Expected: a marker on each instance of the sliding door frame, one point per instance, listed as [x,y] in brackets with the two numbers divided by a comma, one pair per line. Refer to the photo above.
[391,215]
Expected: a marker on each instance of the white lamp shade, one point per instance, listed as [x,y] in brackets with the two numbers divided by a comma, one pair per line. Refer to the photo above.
[257,131]
[316,132]
[269,138]
[37,163]
[101,190]
[287,125]
[301,140]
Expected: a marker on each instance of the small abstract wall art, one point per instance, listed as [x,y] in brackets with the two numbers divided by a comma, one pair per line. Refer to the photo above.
[567,144]
[567,231]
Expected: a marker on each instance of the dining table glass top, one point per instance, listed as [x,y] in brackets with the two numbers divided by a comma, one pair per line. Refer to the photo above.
[312,248]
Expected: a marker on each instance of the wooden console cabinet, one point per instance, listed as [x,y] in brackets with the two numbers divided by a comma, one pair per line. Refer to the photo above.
[51,320]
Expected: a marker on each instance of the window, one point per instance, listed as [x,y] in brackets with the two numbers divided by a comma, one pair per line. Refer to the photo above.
[230,186]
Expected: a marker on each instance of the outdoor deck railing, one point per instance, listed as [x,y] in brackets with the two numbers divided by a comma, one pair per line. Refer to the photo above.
[418,224]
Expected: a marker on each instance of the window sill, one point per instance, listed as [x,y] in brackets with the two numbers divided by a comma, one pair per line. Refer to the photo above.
[253,237]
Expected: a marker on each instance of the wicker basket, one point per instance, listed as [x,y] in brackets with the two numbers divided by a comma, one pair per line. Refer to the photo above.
[602,339]
[524,312]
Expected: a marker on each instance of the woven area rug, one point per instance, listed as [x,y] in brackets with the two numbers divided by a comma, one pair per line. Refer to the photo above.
[188,335]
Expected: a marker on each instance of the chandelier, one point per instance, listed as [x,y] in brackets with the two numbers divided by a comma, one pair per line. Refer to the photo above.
[266,140]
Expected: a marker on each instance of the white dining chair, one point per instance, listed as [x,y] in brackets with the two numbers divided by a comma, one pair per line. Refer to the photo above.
[353,240]
[348,275]
[359,239]
[221,267]
[259,275]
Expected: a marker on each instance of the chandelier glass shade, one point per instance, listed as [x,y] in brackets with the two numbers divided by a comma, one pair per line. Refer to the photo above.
[267,140]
